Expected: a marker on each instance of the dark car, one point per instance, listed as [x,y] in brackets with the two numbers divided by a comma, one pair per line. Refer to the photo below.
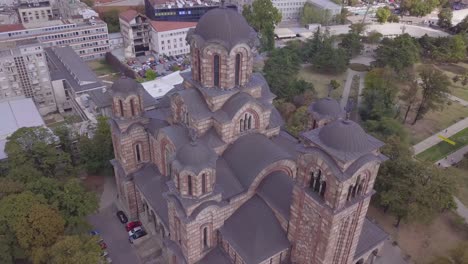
[129,226]
[122,217]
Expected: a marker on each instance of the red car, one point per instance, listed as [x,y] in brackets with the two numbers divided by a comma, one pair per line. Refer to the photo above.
[129,226]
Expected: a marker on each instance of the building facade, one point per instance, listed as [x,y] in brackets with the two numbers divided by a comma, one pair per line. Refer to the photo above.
[88,37]
[24,73]
[168,38]
[212,173]
[182,10]
[135,29]
[35,11]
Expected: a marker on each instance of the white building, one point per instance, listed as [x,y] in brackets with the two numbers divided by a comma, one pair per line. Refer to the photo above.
[290,10]
[16,114]
[332,7]
[168,37]
[35,11]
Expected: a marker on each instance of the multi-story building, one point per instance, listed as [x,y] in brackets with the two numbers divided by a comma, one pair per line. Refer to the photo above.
[115,40]
[24,73]
[290,10]
[88,37]
[135,29]
[181,10]
[168,37]
[211,172]
[34,11]
[8,15]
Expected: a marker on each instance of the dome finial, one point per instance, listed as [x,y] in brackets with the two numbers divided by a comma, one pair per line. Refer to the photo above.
[193,136]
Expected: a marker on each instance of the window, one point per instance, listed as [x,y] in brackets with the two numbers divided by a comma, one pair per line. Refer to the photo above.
[355,189]
[121,108]
[177,230]
[216,70]
[137,153]
[238,62]
[199,64]
[203,183]
[189,185]
[246,122]
[205,237]
[317,183]
[132,106]
[167,157]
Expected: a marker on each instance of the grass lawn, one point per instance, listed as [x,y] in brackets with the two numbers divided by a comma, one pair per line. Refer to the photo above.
[435,121]
[443,148]
[100,67]
[460,176]
[456,89]
[321,81]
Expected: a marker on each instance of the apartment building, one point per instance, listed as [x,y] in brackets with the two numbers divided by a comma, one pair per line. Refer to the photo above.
[168,37]
[290,10]
[87,37]
[24,73]
[34,11]
[135,29]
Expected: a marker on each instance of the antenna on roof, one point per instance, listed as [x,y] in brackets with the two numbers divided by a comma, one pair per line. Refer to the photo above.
[349,107]
[193,135]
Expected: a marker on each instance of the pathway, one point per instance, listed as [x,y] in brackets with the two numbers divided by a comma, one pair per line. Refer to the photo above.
[457,100]
[462,210]
[347,87]
[453,158]
[362,76]
[434,139]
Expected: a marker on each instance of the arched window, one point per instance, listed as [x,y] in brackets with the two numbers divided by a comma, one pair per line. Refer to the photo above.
[323,188]
[167,158]
[121,108]
[205,237]
[318,178]
[317,183]
[189,185]
[246,122]
[132,106]
[249,125]
[238,66]
[241,125]
[203,186]
[138,153]
[199,65]
[216,70]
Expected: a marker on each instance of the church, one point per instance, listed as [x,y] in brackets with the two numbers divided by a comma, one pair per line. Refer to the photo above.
[212,172]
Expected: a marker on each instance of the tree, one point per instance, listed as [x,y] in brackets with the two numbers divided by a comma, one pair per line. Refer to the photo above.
[263,17]
[320,52]
[374,37]
[419,7]
[89,3]
[150,75]
[280,69]
[351,42]
[445,18]
[111,17]
[434,85]
[357,28]
[342,17]
[410,97]
[334,84]
[385,127]
[444,49]
[66,137]
[398,53]
[382,14]
[298,121]
[35,147]
[98,151]
[394,18]
[311,14]
[378,95]
[75,250]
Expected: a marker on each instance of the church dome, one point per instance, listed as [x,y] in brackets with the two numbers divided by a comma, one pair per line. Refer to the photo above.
[125,86]
[196,156]
[345,135]
[226,26]
[326,107]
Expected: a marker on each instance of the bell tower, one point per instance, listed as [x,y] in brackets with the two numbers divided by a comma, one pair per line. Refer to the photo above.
[129,137]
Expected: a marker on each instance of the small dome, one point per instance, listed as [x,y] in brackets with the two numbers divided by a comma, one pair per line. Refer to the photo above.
[345,135]
[125,86]
[197,156]
[224,25]
[326,107]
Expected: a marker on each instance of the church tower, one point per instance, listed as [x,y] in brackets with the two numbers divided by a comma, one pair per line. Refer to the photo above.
[129,138]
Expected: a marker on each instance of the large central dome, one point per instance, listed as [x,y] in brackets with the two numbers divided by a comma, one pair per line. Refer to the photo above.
[225,26]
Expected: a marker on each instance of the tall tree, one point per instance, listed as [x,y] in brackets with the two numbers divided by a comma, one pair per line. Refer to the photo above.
[419,7]
[351,42]
[445,18]
[434,86]
[280,69]
[410,97]
[97,151]
[150,75]
[36,147]
[311,14]
[382,14]
[398,53]
[263,17]
[111,17]
[75,250]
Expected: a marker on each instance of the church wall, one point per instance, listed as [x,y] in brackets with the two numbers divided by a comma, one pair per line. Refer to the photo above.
[127,142]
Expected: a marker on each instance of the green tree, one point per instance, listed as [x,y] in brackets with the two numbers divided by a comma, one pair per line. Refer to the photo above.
[75,250]
[374,37]
[434,86]
[298,121]
[398,53]
[111,17]
[310,14]
[410,97]
[394,18]
[280,69]
[419,7]
[263,17]
[334,84]
[445,18]
[97,151]
[150,75]
[326,58]
[357,28]
[378,96]
[385,127]
[35,147]
[351,42]
[382,14]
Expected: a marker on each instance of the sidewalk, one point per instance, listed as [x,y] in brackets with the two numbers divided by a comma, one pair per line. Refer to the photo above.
[347,87]
[453,158]
[457,100]
[434,139]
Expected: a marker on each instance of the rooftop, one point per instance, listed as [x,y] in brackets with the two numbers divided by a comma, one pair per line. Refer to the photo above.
[159,87]
[11,27]
[161,26]
[17,114]
[128,15]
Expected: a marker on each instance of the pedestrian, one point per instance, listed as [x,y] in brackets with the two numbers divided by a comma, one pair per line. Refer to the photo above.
[452,161]
[438,164]
[446,131]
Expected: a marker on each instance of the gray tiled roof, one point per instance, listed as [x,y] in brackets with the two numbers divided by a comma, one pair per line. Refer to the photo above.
[261,238]
[326,107]
[276,191]
[75,65]
[226,179]
[152,184]
[371,236]
[216,256]
[196,156]
[125,86]
[224,26]
[232,106]
[102,98]
[250,154]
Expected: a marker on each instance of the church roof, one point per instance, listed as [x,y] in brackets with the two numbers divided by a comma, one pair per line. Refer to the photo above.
[371,236]
[224,26]
[250,154]
[195,156]
[326,107]
[277,183]
[258,240]
[216,256]
[126,86]
[227,180]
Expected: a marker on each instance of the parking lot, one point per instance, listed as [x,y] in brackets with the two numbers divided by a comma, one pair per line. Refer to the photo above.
[162,65]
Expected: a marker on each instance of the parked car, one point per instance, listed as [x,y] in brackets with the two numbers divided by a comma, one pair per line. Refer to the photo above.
[94,232]
[136,233]
[131,225]
[122,217]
